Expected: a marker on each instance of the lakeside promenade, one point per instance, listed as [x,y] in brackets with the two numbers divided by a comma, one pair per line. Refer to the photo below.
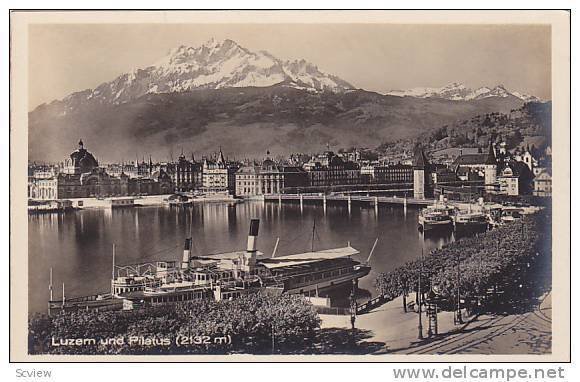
[388,329]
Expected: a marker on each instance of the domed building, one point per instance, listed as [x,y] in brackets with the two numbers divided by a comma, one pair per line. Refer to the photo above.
[80,161]
[81,177]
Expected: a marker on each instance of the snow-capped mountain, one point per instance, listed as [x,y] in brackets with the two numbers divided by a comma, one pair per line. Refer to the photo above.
[459,92]
[213,65]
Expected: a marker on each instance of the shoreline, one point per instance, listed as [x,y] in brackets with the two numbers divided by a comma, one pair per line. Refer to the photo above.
[79,204]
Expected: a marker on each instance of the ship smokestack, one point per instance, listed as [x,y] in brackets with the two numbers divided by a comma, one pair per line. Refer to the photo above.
[186,254]
[253,235]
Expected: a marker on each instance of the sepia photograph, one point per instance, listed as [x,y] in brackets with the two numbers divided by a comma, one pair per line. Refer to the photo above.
[265,184]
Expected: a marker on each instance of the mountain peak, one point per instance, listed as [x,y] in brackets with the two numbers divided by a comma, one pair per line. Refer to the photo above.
[454,85]
[457,91]
[215,64]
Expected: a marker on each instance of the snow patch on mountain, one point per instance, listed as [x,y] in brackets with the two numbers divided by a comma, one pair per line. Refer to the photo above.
[459,92]
[213,65]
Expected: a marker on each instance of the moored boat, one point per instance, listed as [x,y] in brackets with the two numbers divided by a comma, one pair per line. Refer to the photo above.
[436,216]
[511,213]
[470,221]
[228,275]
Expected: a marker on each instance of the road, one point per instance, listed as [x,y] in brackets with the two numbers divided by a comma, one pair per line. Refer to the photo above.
[396,331]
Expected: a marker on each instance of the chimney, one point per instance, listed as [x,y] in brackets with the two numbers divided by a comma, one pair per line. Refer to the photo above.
[253,236]
[186,254]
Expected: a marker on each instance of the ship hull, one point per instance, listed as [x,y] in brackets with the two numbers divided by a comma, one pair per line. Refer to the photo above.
[470,226]
[431,226]
[329,284]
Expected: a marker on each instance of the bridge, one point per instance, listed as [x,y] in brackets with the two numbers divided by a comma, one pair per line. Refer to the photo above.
[349,199]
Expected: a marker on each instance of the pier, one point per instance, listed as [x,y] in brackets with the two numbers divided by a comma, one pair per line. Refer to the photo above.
[349,199]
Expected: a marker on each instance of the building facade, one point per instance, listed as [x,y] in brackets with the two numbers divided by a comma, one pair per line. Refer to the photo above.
[508,182]
[543,184]
[263,179]
[187,175]
[83,178]
[268,178]
[331,170]
[387,174]
[219,175]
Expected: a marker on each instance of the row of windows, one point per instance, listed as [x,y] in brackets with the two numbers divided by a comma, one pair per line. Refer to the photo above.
[247,190]
[229,295]
[276,176]
[239,183]
[320,276]
[178,297]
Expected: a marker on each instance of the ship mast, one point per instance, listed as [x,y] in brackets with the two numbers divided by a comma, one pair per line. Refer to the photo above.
[50,284]
[275,247]
[372,251]
[191,223]
[113,271]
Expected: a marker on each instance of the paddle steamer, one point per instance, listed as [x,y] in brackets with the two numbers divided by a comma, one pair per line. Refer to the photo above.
[223,276]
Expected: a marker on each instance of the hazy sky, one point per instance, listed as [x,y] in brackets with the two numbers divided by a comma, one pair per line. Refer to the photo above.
[377,57]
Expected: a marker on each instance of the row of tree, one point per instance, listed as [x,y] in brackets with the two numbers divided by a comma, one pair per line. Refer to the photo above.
[508,264]
[255,323]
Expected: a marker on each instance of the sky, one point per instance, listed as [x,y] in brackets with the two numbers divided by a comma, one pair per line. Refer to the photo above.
[64,58]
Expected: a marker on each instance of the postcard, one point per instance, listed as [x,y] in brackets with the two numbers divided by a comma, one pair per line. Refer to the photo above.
[377,186]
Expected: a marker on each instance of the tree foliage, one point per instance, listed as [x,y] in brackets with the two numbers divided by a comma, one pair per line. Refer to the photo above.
[251,321]
[513,258]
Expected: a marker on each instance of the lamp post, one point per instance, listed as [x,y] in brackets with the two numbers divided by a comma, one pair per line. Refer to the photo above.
[431,312]
[273,337]
[405,294]
[433,300]
[353,312]
[419,298]
[459,318]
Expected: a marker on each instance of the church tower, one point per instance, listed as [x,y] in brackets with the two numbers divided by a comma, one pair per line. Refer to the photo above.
[490,170]
[528,160]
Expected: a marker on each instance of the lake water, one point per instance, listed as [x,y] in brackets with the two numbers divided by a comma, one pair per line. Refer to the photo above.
[78,246]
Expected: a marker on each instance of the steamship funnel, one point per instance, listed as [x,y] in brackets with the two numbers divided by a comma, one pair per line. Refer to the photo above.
[253,236]
[186,254]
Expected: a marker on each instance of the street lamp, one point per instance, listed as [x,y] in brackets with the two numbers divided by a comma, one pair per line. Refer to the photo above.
[459,318]
[419,302]
[353,311]
[273,337]
[431,301]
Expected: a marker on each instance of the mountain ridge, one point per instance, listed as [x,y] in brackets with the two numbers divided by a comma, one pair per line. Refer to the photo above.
[213,65]
[244,121]
[222,94]
[459,92]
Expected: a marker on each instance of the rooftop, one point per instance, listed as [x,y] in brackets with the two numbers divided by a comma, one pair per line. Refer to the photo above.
[470,159]
[309,257]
